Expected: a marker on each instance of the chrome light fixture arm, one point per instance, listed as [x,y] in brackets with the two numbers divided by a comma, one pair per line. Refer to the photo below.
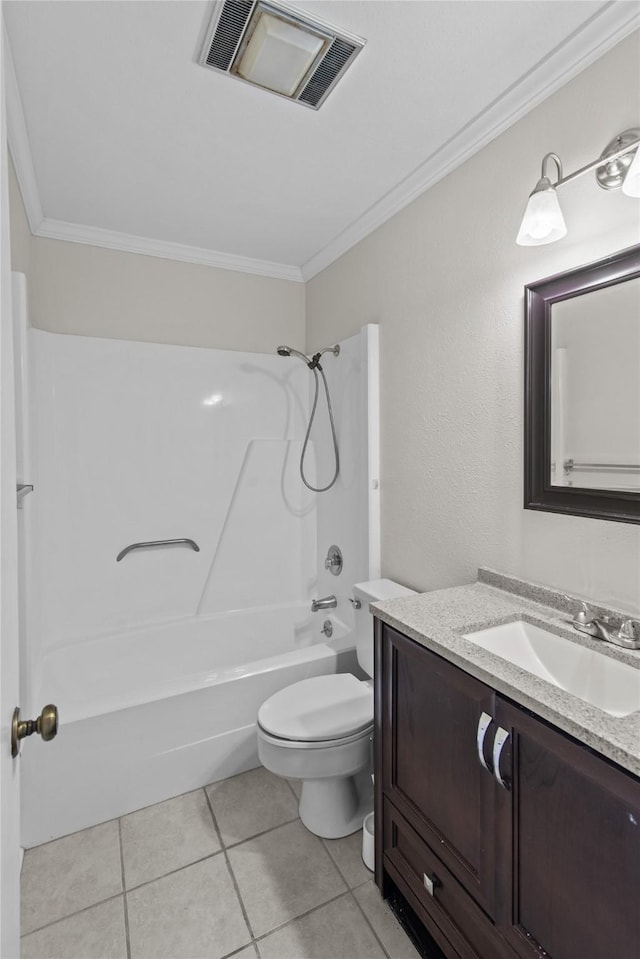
[618,166]
[630,140]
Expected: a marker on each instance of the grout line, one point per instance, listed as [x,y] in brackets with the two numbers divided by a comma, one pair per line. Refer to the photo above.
[231,872]
[124,888]
[295,795]
[302,915]
[230,955]
[370,924]
[71,915]
[172,872]
[116,819]
[358,906]
[241,842]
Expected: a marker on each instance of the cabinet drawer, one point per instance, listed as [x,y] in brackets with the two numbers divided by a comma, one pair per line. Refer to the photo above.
[438,891]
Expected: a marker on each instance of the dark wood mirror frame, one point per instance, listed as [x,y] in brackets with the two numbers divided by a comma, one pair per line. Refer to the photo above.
[624,507]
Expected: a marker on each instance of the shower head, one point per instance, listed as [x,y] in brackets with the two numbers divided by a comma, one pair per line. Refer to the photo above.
[289,351]
[313,362]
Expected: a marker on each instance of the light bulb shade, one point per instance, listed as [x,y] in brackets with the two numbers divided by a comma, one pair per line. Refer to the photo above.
[543,221]
[631,183]
[279,54]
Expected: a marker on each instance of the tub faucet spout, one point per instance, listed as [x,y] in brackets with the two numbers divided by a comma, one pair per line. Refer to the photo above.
[327,602]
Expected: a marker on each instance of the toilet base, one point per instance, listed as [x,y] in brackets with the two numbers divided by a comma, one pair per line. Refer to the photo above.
[335,807]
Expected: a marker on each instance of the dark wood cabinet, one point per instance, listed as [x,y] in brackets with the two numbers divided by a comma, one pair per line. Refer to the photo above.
[569,859]
[430,768]
[507,837]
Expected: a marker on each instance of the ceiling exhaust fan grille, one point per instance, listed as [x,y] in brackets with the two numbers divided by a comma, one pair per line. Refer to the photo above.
[233,21]
[327,72]
[225,40]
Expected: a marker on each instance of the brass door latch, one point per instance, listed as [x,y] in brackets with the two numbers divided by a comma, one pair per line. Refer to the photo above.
[46,725]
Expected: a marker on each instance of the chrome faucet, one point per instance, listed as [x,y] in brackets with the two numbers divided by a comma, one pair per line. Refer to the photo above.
[624,633]
[327,602]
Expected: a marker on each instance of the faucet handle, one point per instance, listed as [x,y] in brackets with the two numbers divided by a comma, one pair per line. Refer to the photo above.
[585,614]
[629,629]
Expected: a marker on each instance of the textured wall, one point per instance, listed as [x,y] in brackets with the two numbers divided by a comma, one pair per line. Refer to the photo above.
[91,291]
[444,279]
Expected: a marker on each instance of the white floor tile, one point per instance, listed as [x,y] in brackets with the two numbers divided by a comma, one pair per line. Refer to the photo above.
[167,836]
[283,874]
[251,803]
[337,930]
[191,914]
[86,867]
[95,933]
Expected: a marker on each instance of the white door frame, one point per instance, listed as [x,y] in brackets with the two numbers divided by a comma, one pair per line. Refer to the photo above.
[9,653]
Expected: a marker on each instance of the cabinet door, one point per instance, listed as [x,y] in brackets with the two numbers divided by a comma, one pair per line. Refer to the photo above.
[431,768]
[571,863]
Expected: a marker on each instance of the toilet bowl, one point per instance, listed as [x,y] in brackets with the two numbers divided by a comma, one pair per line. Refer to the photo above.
[320,731]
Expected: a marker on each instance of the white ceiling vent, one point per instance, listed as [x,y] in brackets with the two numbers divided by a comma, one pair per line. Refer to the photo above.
[279,49]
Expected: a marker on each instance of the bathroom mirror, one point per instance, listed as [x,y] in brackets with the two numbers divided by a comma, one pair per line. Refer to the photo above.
[582,390]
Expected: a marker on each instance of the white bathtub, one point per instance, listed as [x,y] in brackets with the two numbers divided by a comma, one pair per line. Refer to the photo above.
[151,713]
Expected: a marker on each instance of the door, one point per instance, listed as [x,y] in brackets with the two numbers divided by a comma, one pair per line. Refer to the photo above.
[432,772]
[571,859]
[9,784]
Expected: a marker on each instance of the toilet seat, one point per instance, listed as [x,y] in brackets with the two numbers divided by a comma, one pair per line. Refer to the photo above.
[363,733]
[318,711]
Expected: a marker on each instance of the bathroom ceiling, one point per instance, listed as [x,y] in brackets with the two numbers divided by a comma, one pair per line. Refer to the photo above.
[127,142]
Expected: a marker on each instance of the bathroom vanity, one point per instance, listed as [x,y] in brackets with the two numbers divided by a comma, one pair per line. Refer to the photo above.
[508,810]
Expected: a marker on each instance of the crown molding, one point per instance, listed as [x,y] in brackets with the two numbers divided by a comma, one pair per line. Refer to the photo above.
[40,225]
[18,141]
[128,243]
[602,32]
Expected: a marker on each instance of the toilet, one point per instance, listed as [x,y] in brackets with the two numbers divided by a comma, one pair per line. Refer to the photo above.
[320,731]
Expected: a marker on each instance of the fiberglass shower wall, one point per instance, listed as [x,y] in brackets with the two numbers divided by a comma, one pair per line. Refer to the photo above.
[137,442]
[348,515]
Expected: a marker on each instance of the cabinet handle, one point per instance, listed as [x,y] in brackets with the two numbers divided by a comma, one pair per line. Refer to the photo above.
[498,745]
[483,724]
[431,883]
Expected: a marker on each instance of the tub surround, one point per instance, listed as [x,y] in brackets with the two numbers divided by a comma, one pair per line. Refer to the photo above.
[438,619]
[159,663]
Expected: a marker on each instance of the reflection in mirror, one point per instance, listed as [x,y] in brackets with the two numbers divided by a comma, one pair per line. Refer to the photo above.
[595,389]
[581,390]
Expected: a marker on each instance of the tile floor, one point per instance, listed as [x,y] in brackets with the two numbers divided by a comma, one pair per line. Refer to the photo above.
[228,870]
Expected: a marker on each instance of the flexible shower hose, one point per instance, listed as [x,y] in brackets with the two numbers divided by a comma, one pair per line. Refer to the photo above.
[320,489]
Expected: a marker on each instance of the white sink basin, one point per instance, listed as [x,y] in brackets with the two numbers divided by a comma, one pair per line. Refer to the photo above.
[598,679]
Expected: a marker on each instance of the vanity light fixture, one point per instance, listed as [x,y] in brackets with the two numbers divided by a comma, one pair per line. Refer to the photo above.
[618,166]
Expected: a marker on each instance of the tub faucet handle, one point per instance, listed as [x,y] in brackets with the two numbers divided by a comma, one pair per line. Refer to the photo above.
[355,602]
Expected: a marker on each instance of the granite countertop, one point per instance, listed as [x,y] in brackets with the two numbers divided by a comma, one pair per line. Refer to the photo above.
[438,619]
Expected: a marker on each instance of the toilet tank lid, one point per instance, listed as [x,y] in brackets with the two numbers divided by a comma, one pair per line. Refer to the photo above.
[376,590]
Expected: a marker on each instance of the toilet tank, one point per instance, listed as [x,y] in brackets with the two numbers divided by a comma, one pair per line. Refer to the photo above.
[374,591]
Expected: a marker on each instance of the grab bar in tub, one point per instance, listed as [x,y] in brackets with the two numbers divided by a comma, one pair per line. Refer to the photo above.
[156,542]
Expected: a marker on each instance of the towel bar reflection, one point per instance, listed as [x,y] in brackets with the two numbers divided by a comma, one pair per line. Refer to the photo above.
[157,542]
[570,465]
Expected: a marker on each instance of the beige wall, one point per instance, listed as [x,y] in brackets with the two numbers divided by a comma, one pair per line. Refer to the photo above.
[444,279]
[96,292]
[92,291]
